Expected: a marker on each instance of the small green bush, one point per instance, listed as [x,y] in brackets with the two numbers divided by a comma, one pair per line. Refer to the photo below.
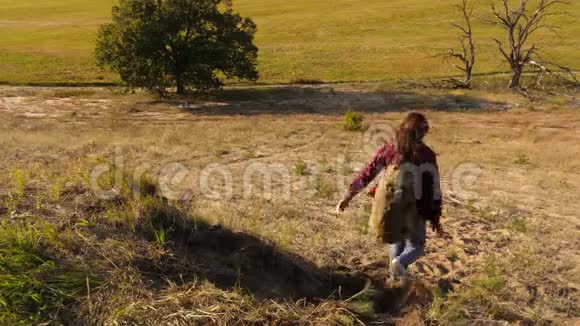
[522,159]
[353,121]
[325,188]
[301,168]
[519,224]
[491,282]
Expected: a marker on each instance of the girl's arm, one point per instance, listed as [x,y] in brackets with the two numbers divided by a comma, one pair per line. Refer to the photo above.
[383,157]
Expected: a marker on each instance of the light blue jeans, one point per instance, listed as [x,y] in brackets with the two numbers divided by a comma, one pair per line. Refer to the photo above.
[411,249]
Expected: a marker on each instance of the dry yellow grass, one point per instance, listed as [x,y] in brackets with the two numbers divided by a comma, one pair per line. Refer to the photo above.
[512,247]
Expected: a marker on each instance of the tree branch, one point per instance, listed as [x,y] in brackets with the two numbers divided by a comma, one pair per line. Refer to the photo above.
[500,47]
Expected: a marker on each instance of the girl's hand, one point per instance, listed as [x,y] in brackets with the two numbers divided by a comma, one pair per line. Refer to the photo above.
[342,205]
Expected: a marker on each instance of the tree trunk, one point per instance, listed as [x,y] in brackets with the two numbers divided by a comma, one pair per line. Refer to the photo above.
[516,75]
[180,86]
[468,72]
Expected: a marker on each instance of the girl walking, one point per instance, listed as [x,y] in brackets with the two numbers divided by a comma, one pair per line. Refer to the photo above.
[407,147]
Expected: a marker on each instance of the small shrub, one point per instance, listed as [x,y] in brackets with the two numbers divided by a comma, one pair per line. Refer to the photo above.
[301,168]
[353,121]
[519,224]
[325,188]
[522,159]
[491,282]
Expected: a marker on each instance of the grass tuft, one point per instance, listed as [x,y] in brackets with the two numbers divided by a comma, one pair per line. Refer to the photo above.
[522,159]
[435,311]
[483,291]
[301,168]
[160,238]
[353,121]
[20,179]
[33,287]
[325,187]
[519,224]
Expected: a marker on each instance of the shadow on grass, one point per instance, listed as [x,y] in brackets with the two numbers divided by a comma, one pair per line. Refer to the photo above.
[326,99]
[236,260]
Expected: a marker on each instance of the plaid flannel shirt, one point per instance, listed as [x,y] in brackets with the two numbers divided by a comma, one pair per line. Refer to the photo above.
[429,205]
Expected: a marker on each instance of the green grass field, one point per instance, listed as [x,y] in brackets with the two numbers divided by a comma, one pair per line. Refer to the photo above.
[50,41]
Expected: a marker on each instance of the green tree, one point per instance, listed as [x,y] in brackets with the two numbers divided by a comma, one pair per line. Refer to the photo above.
[186,44]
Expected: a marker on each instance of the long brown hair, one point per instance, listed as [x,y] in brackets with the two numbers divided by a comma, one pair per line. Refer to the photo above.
[410,136]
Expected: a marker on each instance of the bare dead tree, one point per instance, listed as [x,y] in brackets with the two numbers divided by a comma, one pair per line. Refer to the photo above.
[466,56]
[520,24]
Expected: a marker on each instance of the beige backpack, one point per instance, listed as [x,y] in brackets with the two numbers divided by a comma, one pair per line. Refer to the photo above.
[394,213]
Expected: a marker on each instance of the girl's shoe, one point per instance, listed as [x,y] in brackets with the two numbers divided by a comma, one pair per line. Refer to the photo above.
[397,269]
